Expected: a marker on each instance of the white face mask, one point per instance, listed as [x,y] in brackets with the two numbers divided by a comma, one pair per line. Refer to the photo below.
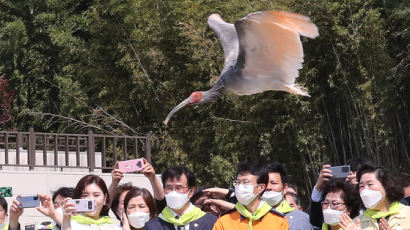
[59,211]
[331,216]
[272,198]
[176,200]
[138,219]
[371,198]
[244,193]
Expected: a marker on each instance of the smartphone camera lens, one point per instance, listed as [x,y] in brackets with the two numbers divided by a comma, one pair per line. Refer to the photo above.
[35,198]
[345,169]
[90,205]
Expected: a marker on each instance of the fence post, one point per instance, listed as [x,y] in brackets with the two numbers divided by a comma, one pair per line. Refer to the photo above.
[148,147]
[31,148]
[90,150]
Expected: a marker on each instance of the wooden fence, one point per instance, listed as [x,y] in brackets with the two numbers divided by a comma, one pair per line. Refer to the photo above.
[111,148]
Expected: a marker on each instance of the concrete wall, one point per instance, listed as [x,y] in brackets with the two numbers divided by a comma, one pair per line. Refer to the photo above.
[33,182]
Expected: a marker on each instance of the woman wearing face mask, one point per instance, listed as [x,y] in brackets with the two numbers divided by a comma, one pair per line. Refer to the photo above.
[380,194]
[94,188]
[139,206]
[340,197]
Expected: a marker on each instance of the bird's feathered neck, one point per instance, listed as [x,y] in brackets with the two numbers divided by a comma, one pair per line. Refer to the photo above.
[216,91]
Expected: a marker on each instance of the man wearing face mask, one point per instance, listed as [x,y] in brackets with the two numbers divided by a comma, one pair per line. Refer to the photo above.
[180,213]
[250,212]
[274,196]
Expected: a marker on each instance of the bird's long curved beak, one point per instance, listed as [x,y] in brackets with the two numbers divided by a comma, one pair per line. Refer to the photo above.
[176,108]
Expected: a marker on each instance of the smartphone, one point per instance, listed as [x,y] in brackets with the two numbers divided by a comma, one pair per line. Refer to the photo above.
[135,165]
[6,191]
[29,201]
[340,171]
[30,227]
[83,205]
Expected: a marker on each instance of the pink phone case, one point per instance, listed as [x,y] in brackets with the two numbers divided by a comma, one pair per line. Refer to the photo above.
[131,165]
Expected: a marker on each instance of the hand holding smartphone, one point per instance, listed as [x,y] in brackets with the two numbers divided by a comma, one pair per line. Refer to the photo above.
[83,205]
[29,201]
[342,171]
[135,165]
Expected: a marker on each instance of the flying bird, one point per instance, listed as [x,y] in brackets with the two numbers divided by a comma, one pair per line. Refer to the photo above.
[262,52]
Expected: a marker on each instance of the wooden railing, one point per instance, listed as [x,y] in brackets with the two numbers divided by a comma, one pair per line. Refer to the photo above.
[52,145]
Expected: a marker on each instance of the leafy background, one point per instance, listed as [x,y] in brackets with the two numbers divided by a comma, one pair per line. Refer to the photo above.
[101,62]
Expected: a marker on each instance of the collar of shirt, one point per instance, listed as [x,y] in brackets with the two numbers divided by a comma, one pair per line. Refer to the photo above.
[260,205]
[187,210]
[186,226]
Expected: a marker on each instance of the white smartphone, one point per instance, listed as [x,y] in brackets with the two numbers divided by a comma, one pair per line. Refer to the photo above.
[340,171]
[83,205]
[29,201]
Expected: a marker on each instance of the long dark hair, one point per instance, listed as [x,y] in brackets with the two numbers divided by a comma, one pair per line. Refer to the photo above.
[93,179]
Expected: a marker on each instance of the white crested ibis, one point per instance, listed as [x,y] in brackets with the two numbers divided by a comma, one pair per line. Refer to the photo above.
[262,51]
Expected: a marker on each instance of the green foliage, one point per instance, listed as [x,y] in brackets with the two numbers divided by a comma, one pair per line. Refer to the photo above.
[135,60]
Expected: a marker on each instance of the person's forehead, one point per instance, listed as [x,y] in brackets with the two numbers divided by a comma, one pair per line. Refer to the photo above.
[137,200]
[368,176]
[181,180]
[275,176]
[337,196]
[91,188]
[246,176]
[59,198]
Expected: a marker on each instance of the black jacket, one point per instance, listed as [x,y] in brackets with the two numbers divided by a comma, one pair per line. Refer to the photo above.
[204,223]
[316,214]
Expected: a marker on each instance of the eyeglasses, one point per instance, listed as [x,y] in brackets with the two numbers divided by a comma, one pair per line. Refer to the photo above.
[333,204]
[246,182]
[178,188]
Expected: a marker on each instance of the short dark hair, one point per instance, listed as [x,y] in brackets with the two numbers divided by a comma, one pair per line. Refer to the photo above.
[294,196]
[93,179]
[177,172]
[146,195]
[277,168]
[295,187]
[116,199]
[358,162]
[3,204]
[254,169]
[349,194]
[64,192]
[394,191]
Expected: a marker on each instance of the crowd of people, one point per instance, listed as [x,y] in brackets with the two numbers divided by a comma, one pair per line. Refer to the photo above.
[260,198]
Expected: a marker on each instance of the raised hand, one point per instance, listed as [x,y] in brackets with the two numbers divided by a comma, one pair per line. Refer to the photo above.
[116,175]
[222,204]
[352,178]
[125,222]
[47,208]
[15,213]
[324,177]
[347,223]
[216,192]
[148,170]
[383,225]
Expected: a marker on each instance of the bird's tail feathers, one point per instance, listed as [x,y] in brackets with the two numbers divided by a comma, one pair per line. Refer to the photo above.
[296,89]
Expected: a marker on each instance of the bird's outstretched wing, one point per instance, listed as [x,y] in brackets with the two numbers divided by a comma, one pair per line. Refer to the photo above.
[270,46]
[227,35]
